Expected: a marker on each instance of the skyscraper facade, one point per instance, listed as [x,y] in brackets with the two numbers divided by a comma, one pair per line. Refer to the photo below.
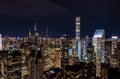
[78,42]
[98,43]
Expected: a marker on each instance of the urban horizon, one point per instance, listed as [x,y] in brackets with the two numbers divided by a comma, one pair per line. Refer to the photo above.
[54,31]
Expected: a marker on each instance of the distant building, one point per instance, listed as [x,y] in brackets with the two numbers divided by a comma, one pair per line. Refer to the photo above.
[65,52]
[99,46]
[114,43]
[84,48]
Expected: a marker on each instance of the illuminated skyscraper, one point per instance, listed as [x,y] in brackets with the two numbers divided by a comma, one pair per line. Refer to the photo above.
[65,52]
[78,42]
[98,43]
[114,43]
[0,42]
[84,51]
[84,47]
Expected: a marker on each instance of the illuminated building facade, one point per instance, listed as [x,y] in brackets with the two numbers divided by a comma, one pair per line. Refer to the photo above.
[58,53]
[114,56]
[98,43]
[114,43]
[78,42]
[84,46]
[84,52]
[65,52]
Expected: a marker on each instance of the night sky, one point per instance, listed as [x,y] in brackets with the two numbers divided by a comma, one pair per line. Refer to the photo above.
[18,16]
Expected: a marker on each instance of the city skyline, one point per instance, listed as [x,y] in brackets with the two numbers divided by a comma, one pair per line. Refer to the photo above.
[59,16]
[59,39]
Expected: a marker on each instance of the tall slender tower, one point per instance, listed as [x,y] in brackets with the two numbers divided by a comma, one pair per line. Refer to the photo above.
[46,32]
[29,35]
[35,34]
[35,29]
[78,42]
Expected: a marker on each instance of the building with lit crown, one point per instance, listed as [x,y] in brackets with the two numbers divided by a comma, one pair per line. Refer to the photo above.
[78,41]
[98,43]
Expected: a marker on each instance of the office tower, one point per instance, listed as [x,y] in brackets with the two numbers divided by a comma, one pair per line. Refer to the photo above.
[58,53]
[84,47]
[65,52]
[114,57]
[71,62]
[98,43]
[78,41]
[46,55]
[0,42]
[90,52]
[84,51]
[114,43]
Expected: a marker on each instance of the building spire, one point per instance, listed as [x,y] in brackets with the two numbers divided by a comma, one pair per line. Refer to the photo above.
[35,28]
[47,31]
[29,33]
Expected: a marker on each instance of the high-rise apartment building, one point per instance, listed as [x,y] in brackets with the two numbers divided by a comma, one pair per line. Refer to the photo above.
[78,41]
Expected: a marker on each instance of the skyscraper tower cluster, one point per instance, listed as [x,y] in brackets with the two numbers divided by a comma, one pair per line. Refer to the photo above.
[50,53]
